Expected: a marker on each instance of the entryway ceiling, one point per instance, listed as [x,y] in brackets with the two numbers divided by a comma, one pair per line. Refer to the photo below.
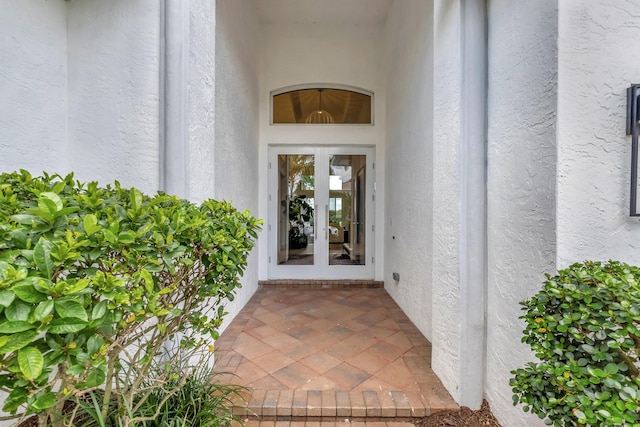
[323,11]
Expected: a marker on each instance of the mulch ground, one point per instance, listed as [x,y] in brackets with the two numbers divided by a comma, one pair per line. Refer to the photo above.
[465,417]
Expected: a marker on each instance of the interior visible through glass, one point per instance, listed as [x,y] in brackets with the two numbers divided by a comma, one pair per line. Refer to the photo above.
[296,195]
[346,209]
[322,106]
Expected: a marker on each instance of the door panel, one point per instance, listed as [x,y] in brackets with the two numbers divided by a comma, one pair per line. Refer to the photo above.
[347,219]
[321,213]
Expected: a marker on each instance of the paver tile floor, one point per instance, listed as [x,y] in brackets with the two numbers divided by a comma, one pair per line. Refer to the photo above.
[329,353]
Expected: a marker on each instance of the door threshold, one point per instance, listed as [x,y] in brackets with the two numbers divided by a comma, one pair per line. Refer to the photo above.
[320,284]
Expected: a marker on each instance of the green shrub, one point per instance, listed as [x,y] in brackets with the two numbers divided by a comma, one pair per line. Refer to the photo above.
[97,284]
[583,326]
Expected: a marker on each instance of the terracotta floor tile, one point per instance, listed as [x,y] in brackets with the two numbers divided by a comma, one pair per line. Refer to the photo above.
[373,317]
[314,403]
[266,382]
[294,376]
[329,403]
[320,383]
[346,376]
[389,323]
[249,372]
[320,362]
[252,323]
[250,347]
[321,340]
[301,332]
[358,407]
[375,383]
[343,404]
[299,405]
[397,374]
[340,332]
[298,351]
[270,318]
[354,325]
[360,341]
[399,340]
[343,350]
[262,331]
[279,340]
[385,350]
[285,403]
[272,361]
[368,362]
[295,345]
[322,324]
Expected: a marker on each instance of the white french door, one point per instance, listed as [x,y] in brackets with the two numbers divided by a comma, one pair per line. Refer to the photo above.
[321,212]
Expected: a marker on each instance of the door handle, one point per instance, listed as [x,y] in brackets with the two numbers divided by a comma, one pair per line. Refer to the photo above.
[326,221]
[315,224]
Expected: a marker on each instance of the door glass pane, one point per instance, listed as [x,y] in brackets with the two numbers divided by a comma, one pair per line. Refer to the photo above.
[346,210]
[296,195]
[322,106]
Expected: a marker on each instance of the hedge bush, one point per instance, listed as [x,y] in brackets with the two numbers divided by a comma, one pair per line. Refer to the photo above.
[99,284]
[584,327]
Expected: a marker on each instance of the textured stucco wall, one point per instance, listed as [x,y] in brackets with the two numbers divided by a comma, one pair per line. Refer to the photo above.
[33,86]
[236,120]
[340,53]
[113,63]
[446,196]
[598,60]
[409,180]
[201,107]
[521,188]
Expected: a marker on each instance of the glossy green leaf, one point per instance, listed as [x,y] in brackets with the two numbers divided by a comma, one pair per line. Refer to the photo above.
[99,310]
[6,298]
[67,325]
[70,308]
[31,362]
[53,201]
[42,310]
[12,327]
[27,293]
[75,286]
[15,399]
[42,257]
[90,224]
[95,378]
[44,401]
[18,341]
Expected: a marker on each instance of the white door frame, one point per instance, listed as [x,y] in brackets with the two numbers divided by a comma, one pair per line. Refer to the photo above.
[321,268]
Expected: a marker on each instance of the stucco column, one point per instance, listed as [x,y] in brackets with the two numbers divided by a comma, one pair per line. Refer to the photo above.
[174,67]
[460,278]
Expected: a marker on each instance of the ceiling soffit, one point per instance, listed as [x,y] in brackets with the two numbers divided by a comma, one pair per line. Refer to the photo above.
[323,11]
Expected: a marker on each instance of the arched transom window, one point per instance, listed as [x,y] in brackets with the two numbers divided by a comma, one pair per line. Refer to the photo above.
[322,106]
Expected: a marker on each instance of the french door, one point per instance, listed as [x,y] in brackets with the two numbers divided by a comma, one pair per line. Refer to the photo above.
[321,213]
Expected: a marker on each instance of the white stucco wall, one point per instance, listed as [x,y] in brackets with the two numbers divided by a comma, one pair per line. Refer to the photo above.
[458,169]
[113,90]
[33,86]
[201,100]
[409,157]
[597,61]
[236,161]
[446,358]
[308,53]
[521,187]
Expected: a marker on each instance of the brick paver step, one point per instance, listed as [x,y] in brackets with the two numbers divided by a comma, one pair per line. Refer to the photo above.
[339,405]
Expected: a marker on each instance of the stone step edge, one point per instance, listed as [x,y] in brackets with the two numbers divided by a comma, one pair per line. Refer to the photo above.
[327,419]
[320,284]
[335,405]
